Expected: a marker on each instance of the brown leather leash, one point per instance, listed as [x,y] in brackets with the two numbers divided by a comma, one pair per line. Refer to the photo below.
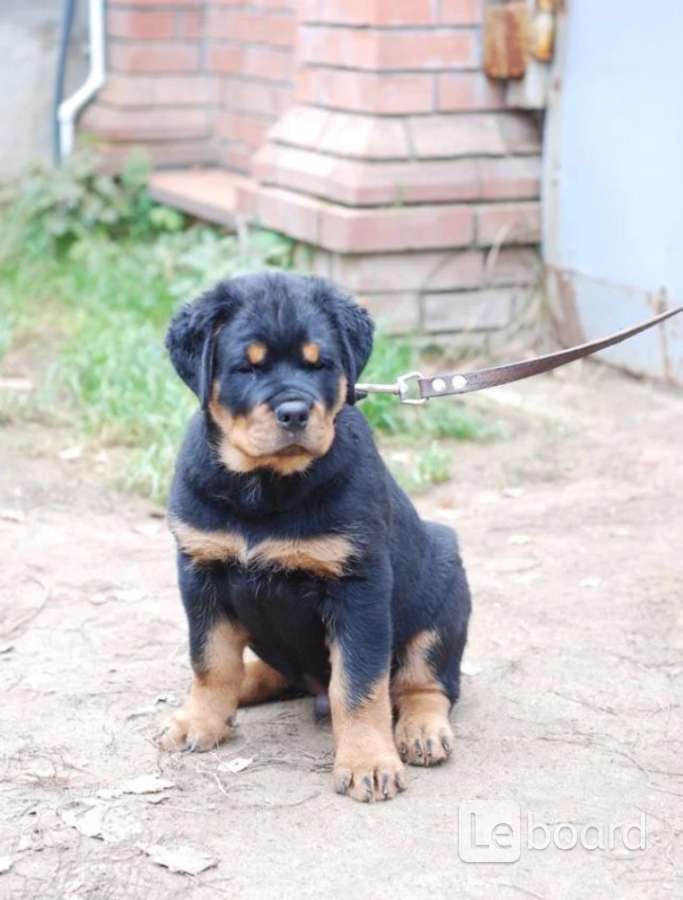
[451,383]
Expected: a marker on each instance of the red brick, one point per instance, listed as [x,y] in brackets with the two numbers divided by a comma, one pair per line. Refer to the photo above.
[374,49]
[365,91]
[225,58]
[367,12]
[509,178]
[367,137]
[520,133]
[456,135]
[435,270]
[291,214]
[159,90]
[462,12]
[246,129]
[265,62]
[396,313]
[190,24]
[468,310]
[302,126]
[469,91]
[235,157]
[256,96]
[168,56]
[358,183]
[160,153]
[408,228]
[143,25]
[147,124]
[513,266]
[509,223]
[250,27]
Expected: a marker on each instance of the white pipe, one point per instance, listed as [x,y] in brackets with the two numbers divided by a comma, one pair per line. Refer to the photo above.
[69,108]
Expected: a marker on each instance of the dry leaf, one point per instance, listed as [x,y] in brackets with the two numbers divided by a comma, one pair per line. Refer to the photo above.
[236,765]
[97,820]
[143,784]
[180,858]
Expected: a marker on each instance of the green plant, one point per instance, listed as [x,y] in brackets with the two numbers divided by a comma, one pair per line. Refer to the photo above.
[53,208]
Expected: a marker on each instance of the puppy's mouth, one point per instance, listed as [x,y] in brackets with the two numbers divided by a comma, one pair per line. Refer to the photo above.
[292,450]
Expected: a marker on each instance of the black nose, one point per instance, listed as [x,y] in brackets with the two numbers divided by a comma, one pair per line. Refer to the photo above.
[292,414]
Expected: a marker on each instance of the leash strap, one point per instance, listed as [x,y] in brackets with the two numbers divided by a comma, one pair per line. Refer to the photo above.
[450,383]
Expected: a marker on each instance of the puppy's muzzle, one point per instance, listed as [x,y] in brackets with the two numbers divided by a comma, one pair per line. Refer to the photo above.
[293,414]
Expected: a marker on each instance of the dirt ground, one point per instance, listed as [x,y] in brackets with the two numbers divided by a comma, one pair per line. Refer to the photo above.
[570,715]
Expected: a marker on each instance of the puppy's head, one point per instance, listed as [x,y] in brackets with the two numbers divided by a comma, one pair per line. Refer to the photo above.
[272,359]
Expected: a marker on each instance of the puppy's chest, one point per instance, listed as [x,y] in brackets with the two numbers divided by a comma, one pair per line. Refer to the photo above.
[324,555]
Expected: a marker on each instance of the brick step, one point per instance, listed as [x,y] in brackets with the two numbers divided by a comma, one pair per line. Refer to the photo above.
[208,194]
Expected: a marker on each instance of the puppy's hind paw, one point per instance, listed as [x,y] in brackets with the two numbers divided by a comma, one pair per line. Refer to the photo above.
[424,741]
[189,733]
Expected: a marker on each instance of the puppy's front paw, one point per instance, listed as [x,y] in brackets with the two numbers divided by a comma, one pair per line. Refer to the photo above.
[369,779]
[194,731]
[425,740]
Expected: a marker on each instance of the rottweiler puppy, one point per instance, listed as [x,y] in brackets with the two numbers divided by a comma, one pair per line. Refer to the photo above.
[294,539]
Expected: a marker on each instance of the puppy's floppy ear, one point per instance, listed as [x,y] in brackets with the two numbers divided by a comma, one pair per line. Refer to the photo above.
[192,333]
[354,328]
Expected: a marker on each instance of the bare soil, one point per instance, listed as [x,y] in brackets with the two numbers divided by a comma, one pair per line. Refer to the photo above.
[571,707]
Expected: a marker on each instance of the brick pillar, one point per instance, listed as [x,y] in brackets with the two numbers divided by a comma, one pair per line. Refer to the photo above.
[401,167]
[158,93]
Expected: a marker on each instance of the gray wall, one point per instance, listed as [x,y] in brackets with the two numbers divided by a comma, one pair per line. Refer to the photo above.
[29,36]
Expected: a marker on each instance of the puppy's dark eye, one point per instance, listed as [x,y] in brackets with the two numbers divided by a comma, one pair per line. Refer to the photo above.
[315,365]
[245,369]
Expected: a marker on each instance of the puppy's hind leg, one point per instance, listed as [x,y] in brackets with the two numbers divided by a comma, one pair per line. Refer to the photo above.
[261,683]
[423,733]
[426,678]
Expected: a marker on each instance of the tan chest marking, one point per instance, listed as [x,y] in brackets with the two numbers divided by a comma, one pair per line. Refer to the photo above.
[325,555]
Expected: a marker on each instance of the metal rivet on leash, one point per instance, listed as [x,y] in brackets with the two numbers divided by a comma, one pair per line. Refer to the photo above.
[456,383]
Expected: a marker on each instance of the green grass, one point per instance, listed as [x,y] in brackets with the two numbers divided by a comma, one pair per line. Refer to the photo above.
[97,302]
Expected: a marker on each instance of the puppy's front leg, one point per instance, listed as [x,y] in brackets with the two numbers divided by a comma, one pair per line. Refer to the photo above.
[367,766]
[217,644]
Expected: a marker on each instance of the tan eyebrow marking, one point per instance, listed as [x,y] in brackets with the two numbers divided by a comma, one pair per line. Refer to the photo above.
[311,352]
[256,353]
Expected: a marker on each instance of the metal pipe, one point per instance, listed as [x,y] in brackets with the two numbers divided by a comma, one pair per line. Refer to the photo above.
[60,78]
[69,109]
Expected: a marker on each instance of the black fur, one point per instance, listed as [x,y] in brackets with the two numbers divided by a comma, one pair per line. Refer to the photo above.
[405,575]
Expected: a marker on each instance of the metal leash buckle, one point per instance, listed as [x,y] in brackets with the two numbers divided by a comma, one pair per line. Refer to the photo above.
[403,385]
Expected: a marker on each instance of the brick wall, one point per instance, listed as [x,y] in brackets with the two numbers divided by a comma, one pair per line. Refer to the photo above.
[194,81]
[369,130]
